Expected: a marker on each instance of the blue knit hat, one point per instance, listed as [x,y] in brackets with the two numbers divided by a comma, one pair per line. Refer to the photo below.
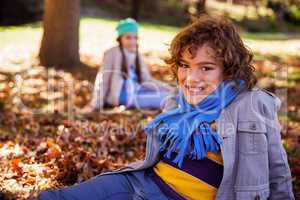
[127,25]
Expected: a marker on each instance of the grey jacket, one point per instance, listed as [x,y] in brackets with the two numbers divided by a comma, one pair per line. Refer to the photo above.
[109,79]
[255,162]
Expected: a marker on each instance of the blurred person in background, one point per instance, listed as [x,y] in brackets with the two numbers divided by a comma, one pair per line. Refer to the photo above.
[124,78]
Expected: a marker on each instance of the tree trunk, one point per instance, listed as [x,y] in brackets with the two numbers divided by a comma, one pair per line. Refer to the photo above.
[60,43]
[135,9]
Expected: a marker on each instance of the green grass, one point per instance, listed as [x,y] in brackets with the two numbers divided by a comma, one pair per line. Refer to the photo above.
[144,25]
[266,36]
[91,21]
[16,34]
[30,33]
[295,76]
[91,28]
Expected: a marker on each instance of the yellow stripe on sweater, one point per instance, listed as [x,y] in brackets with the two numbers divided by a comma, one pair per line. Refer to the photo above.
[184,183]
[217,157]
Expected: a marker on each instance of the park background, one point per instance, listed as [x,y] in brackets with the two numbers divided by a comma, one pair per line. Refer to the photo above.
[50,52]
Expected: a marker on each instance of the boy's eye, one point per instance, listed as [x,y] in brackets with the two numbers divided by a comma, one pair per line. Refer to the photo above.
[205,68]
[183,65]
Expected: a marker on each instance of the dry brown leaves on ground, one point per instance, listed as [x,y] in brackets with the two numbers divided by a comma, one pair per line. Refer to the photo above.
[45,142]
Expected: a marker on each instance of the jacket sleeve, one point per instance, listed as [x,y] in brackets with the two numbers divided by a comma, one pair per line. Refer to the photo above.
[101,85]
[279,170]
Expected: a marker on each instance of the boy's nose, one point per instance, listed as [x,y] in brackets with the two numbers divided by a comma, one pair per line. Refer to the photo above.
[194,76]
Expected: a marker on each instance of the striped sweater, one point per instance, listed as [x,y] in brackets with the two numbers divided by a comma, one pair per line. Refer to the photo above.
[196,180]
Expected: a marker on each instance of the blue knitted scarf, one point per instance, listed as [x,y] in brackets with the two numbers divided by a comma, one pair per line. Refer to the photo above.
[190,124]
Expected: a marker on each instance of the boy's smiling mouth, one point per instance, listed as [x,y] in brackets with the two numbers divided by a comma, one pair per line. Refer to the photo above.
[194,90]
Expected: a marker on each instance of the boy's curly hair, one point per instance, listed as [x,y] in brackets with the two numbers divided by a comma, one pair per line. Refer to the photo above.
[221,35]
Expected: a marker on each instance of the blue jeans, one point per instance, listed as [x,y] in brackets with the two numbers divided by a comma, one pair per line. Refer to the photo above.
[135,185]
[149,98]
[142,97]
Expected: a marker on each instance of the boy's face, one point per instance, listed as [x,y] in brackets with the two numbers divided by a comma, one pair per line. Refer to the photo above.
[129,41]
[201,75]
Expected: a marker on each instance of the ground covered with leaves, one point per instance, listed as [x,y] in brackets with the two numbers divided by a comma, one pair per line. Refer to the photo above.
[46,141]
